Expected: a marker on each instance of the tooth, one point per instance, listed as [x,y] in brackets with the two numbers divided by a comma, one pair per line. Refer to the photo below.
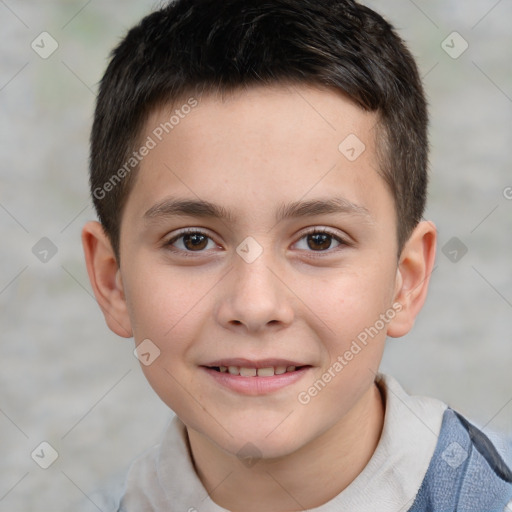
[266,372]
[248,372]
[223,369]
[290,369]
[233,370]
[279,370]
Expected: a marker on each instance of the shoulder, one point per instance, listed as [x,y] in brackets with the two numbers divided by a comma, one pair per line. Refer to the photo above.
[466,471]
[141,486]
[164,477]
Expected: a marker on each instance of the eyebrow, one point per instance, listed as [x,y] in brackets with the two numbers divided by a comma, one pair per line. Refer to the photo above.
[171,207]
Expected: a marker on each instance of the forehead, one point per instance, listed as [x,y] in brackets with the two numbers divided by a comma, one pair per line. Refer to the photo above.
[253,148]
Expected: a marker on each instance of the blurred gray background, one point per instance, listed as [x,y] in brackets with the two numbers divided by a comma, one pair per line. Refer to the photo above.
[67,380]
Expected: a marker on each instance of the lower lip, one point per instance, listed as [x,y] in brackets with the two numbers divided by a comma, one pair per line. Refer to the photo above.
[256,385]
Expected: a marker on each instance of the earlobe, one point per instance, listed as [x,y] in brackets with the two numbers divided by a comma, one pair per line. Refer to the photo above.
[413,276]
[105,278]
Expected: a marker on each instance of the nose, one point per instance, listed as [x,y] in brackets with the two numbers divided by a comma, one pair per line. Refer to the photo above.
[255,297]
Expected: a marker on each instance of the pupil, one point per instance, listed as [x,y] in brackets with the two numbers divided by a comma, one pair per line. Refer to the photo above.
[321,240]
[197,241]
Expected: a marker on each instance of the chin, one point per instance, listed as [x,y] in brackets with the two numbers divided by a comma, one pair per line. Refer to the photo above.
[262,440]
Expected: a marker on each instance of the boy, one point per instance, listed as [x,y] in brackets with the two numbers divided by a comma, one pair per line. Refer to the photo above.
[259,172]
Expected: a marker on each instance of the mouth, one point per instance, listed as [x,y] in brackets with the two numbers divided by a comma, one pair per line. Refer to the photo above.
[256,377]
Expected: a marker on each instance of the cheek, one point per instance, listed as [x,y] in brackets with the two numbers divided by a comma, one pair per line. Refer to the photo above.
[353,335]
[352,301]
[160,298]
[169,307]
[174,327]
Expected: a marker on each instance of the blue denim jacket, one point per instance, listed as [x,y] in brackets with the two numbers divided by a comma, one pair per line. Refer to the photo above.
[466,473]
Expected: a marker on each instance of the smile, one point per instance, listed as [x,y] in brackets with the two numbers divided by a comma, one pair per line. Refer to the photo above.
[255,378]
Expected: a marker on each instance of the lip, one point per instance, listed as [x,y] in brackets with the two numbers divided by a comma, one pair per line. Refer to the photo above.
[254,386]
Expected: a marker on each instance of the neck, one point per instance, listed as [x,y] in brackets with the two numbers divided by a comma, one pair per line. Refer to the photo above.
[304,479]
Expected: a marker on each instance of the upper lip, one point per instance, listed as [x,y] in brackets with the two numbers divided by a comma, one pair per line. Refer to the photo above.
[261,363]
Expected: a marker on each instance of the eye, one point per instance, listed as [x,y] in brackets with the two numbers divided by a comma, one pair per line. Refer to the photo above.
[192,240]
[319,240]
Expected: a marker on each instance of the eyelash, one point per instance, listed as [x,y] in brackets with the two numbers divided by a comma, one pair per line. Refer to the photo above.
[312,231]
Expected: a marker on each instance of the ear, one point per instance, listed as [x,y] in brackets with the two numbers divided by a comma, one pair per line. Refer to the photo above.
[105,278]
[413,276]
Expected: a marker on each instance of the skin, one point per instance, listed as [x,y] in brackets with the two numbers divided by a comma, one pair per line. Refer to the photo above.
[250,153]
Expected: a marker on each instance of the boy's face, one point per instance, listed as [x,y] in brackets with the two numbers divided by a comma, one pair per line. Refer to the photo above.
[290,294]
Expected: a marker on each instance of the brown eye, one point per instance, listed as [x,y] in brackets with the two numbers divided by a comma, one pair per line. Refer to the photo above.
[319,241]
[195,241]
[190,241]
